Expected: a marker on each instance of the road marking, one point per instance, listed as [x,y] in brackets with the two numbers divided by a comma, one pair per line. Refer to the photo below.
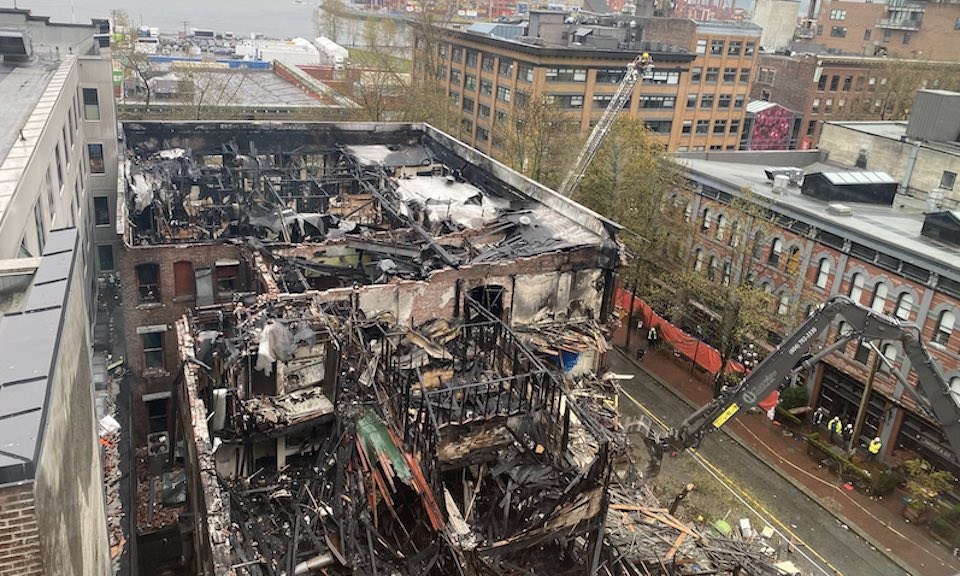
[740,493]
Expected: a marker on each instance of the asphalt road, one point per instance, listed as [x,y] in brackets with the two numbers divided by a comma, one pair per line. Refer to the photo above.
[830,547]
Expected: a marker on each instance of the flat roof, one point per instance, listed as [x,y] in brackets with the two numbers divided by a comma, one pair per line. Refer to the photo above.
[892,230]
[243,88]
[21,86]
[29,340]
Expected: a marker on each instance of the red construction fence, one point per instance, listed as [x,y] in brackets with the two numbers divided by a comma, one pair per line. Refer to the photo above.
[704,355]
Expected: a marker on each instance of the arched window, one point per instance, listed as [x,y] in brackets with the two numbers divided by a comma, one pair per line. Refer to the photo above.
[735,231]
[767,287]
[955,388]
[776,247]
[944,327]
[890,354]
[904,306]
[706,220]
[879,300]
[793,261]
[856,287]
[688,212]
[721,228]
[726,273]
[843,330]
[713,267]
[148,282]
[823,273]
[698,260]
[784,304]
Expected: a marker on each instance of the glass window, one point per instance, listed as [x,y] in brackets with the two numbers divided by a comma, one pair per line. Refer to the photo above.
[472,58]
[152,350]
[719,126]
[729,75]
[944,327]
[486,87]
[455,77]
[889,357]
[856,287]
[101,211]
[706,102]
[879,300]
[734,47]
[696,74]
[784,304]
[468,104]
[482,134]
[506,68]
[698,260]
[486,63]
[457,54]
[744,75]
[566,74]
[227,275]
[706,220]
[503,93]
[716,47]
[91,104]
[738,102]
[148,282]
[692,101]
[701,46]
[735,126]
[823,273]
[712,74]
[948,180]
[95,152]
[724,102]
[721,228]
[105,257]
[793,260]
[470,82]
[703,126]
[904,306]
[776,248]
[525,72]
[483,111]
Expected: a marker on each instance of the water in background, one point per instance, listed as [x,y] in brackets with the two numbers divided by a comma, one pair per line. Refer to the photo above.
[275,18]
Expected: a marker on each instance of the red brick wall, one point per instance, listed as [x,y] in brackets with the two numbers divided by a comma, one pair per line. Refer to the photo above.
[19,539]
[165,312]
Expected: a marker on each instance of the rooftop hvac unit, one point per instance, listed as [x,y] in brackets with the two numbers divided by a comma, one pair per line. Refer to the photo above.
[780,183]
[15,44]
[794,175]
[838,209]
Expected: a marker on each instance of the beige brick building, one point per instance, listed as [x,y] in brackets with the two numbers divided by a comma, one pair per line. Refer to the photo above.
[695,100]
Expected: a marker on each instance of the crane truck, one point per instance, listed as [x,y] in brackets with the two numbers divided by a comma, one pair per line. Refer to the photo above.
[793,355]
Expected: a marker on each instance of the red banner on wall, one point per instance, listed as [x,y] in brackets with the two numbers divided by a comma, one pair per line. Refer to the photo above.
[704,355]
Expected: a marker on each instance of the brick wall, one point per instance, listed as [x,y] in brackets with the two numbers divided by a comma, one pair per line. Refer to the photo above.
[165,312]
[19,537]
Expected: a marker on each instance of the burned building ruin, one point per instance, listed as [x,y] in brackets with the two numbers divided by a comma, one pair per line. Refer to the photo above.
[354,349]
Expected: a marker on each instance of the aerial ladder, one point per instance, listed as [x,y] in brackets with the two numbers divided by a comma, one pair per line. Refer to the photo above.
[640,68]
[793,355]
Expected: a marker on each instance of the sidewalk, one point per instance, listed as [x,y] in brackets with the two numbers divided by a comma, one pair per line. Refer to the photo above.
[878,521]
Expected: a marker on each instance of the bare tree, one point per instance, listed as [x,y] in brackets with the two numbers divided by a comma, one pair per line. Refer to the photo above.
[133,63]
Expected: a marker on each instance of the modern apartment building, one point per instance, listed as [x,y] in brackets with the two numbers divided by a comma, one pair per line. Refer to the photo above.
[897,28]
[58,176]
[695,99]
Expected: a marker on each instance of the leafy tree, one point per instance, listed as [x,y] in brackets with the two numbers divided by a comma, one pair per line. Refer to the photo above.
[540,140]
[895,86]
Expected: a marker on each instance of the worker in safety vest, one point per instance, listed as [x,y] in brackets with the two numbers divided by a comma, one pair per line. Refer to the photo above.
[835,426]
[873,449]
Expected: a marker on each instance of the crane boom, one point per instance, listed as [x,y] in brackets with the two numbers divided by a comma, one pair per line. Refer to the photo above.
[642,65]
[793,355]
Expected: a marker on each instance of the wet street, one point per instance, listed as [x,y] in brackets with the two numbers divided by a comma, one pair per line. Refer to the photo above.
[824,545]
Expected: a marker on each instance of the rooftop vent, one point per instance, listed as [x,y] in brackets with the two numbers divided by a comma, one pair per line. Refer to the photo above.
[794,175]
[838,209]
[15,44]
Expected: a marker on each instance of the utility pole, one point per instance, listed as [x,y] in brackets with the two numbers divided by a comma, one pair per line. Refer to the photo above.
[865,398]
[185,23]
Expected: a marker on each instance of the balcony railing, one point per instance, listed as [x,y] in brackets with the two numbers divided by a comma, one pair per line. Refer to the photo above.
[899,24]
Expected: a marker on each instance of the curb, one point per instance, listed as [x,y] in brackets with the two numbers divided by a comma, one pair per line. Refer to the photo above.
[793,481]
